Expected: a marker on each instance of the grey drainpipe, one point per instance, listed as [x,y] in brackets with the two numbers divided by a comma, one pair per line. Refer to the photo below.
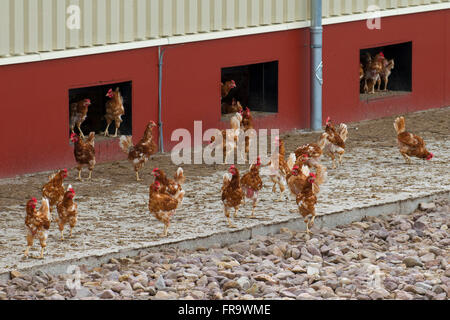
[161,60]
[316,65]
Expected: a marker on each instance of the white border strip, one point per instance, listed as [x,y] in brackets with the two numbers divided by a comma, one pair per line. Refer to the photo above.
[212,35]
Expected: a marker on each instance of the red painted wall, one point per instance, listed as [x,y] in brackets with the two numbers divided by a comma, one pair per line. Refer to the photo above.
[430,67]
[34,122]
[35,95]
[35,113]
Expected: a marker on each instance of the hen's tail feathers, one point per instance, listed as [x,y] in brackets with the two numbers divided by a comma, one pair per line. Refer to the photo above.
[321,174]
[399,125]
[179,196]
[305,171]
[91,138]
[343,131]
[323,140]
[125,144]
[235,121]
[45,208]
[291,161]
[226,180]
[179,176]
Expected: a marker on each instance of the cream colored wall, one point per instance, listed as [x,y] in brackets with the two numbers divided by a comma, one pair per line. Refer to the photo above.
[32,26]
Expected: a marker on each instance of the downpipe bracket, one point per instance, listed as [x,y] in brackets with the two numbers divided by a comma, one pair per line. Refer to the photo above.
[319,73]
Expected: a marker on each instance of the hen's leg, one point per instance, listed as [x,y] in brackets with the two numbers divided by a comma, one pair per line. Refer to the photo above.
[253,208]
[43,246]
[79,129]
[333,159]
[90,174]
[29,244]
[79,174]
[61,229]
[311,222]
[227,214]
[137,176]
[165,232]
[282,188]
[307,227]
[407,158]
[341,156]
[235,213]
[230,224]
[117,121]
[106,133]
[274,188]
[386,80]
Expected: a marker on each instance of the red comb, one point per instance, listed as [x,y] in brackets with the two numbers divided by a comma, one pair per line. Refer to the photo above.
[34,199]
[312,175]
[71,190]
[296,168]
[65,170]
[233,166]
[156,169]
[328,119]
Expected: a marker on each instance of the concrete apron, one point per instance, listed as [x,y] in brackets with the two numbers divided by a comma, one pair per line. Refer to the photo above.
[329,220]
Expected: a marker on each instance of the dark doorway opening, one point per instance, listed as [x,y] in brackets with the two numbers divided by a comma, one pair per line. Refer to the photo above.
[256,87]
[400,79]
[95,119]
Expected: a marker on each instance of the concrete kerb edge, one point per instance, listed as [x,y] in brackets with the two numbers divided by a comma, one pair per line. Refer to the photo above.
[406,206]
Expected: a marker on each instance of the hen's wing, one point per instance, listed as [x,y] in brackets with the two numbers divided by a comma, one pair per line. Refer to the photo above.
[411,140]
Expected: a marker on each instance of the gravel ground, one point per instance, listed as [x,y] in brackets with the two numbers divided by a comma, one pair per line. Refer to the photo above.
[113,208]
[391,257]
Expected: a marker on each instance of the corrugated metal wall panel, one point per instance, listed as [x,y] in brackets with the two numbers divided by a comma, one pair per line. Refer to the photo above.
[87,23]
[204,15]
[113,19]
[242,13]
[192,17]
[5,28]
[29,26]
[18,25]
[100,25]
[301,10]
[216,15]
[289,12]
[229,14]
[166,18]
[266,12]
[253,13]
[153,23]
[277,11]
[73,34]
[179,21]
[141,19]
[32,27]
[127,21]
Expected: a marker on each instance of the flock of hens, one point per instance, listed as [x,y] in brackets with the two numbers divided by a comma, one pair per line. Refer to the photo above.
[374,70]
[301,172]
